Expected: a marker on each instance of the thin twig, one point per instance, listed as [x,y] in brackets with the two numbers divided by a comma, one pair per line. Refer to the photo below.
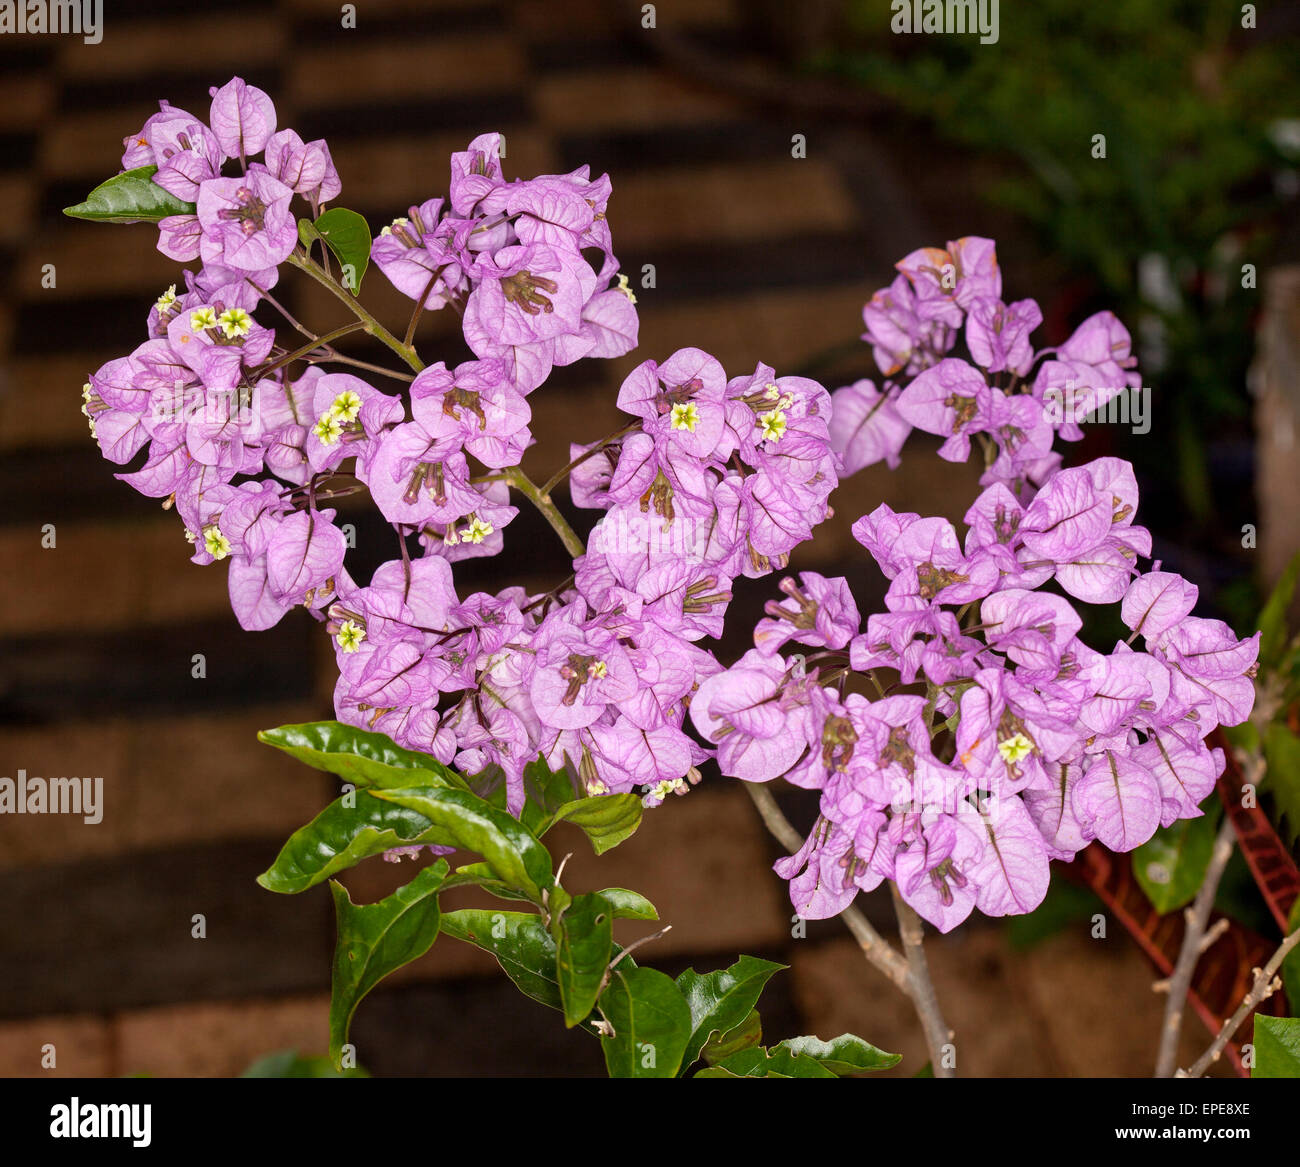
[1180,980]
[280,308]
[373,326]
[306,350]
[419,305]
[564,471]
[937,1033]
[331,355]
[878,951]
[550,512]
[1266,984]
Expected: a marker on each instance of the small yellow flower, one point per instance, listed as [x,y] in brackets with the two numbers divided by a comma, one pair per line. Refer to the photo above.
[346,406]
[202,319]
[328,429]
[217,545]
[596,786]
[235,322]
[350,635]
[1015,747]
[685,417]
[477,530]
[87,391]
[167,299]
[623,287]
[773,424]
[597,670]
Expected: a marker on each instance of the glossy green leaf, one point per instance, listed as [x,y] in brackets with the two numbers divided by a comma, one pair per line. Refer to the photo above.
[376,939]
[307,233]
[1291,965]
[550,797]
[129,197]
[606,819]
[545,791]
[290,1063]
[520,942]
[584,938]
[629,905]
[359,756]
[842,1055]
[513,853]
[1282,775]
[764,1063]
[1171,865]
[721,1046]
[1277,1047]
[1273,617]
[484,876]
[719,1001]
[353,827]
[651,1020]
[347,235]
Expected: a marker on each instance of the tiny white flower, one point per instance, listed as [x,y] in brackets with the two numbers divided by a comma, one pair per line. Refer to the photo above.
[685,417]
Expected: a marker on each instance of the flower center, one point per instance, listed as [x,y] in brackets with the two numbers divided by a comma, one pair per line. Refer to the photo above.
[349,636]
[521,289]
[578,670]
[468,399]
[249,212]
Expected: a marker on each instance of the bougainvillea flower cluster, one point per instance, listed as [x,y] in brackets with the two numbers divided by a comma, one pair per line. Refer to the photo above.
[712,478]
[960,739]
[966,736]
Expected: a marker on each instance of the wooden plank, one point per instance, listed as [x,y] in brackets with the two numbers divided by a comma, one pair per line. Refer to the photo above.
[116,933]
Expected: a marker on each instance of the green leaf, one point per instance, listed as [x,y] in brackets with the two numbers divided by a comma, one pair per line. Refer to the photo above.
[545,791]
[758,1062]
[1291,965]
[1171,865]
[584,938]
[720,1001]
[348,235]
[129,197]
[1243,737]
[307,233]
[721,1046]
[842,1055]
[358,756]
[517,858]
[376,939]
[606,819]
[926,1071]
[629,905]
[353,827]
[520,942]
[289,1063]
[1282,775]
[1272,618]
[482,875]
[651,1020]
[1277,1047]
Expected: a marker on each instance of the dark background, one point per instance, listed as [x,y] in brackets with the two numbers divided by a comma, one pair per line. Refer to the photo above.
[757,255]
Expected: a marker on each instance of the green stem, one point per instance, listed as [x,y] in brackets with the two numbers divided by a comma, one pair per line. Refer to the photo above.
[542,501]
[407,352]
